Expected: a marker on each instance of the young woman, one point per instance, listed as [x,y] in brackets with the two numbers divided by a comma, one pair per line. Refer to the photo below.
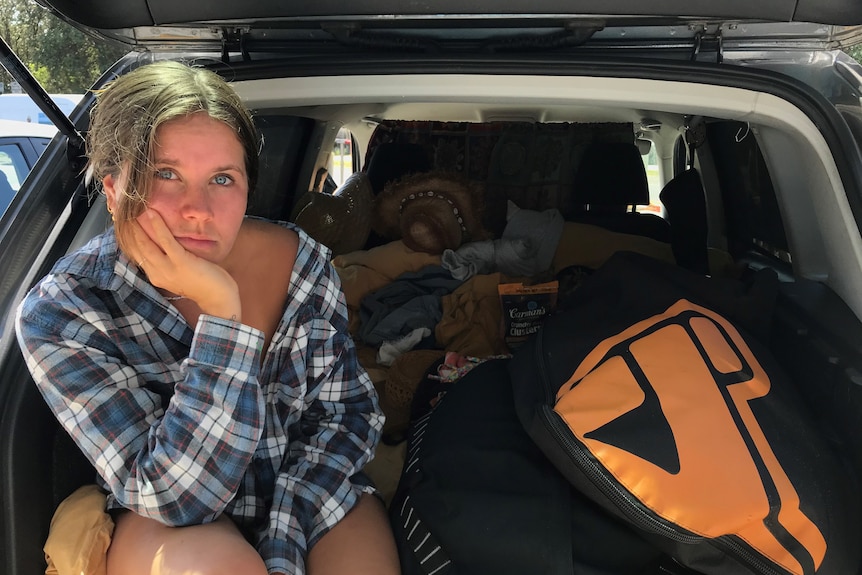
[201,358]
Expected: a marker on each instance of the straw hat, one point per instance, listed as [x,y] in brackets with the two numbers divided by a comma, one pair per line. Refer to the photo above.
[430,212]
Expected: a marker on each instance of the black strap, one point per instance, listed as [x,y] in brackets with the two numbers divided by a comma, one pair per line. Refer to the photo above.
[432,558]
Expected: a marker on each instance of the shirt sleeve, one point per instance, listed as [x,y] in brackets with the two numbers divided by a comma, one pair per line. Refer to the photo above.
[179,464]
[318,481]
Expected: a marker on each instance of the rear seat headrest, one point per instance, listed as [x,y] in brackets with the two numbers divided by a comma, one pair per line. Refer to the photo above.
[611,174]
[684,199]
[394,160]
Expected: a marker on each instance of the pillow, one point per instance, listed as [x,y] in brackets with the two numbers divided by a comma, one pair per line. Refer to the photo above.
[80,534]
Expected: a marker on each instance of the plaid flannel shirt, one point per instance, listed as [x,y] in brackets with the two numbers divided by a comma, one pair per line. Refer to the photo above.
[185,424]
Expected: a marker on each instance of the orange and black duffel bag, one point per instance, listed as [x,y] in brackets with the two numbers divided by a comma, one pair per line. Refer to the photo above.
[653,393]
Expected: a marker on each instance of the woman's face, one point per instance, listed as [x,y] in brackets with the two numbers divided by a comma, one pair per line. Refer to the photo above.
[200,185]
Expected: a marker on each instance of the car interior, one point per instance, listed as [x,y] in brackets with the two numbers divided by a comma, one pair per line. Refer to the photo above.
[721,179]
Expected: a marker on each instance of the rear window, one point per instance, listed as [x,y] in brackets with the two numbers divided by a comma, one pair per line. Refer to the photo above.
[751,209]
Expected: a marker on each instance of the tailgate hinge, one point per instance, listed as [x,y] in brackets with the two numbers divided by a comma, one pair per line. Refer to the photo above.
[234,40]
[706,40]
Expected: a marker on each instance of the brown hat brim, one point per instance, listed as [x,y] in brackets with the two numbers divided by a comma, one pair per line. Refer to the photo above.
[431,211]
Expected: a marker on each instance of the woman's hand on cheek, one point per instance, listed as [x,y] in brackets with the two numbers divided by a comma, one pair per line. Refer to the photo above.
[171,267]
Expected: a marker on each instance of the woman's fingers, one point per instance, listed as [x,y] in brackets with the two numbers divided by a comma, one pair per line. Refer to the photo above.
[170,266]
[156,251]
[162,236]
[142,249]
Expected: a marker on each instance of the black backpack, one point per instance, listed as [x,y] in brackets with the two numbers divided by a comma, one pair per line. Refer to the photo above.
[478,497]
[654,394]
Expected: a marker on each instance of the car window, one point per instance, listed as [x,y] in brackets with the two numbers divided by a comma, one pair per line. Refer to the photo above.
[13,170]
[650,160]
[341,161]
[13,165]
[750,204]
[19,151]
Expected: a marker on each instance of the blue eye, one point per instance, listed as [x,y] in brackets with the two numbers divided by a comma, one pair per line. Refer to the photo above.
[165,174]
[223,180]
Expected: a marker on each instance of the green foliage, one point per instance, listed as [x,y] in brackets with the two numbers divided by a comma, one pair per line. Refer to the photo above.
[41,74]
[61,57]
[855,52]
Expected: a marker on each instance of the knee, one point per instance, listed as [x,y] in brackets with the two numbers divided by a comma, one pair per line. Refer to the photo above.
[144,547]
[211,555]
[360,543]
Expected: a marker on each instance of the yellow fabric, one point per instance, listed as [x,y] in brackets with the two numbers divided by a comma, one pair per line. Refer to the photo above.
[472,321]
[403,378]
[80,534]
[385,469]
[721,264]
[591,246]
[365,271]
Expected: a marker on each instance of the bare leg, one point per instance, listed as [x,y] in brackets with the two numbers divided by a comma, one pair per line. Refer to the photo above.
[142,546]
[360,544]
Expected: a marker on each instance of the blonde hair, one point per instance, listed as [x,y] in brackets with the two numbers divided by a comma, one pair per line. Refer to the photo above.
[129,110]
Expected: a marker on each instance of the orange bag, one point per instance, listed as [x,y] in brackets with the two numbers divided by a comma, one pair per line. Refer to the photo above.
[674,417]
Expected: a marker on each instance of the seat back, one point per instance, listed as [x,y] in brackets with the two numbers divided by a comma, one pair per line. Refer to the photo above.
[610,180]
[684,199]
[393,160]
[340,220]
[388,162]
[41,467]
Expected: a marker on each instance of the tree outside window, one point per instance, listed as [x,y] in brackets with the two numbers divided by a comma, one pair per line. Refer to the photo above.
[63,59]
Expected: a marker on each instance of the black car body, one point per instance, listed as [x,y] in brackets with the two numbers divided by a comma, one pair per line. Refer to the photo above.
[758,97]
